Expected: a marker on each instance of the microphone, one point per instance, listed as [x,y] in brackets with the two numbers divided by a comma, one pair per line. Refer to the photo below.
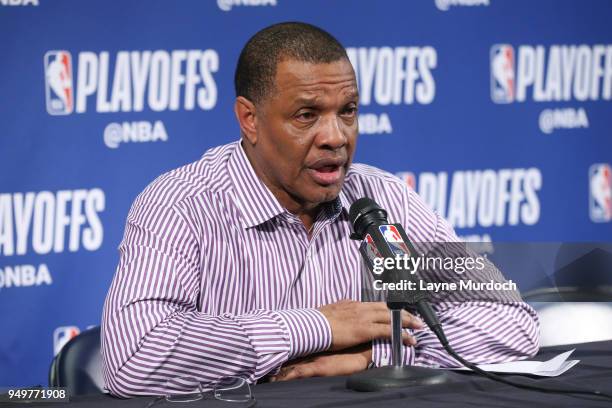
[380,239]
[383,240]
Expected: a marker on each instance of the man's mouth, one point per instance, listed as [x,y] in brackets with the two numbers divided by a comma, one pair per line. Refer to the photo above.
[327,171]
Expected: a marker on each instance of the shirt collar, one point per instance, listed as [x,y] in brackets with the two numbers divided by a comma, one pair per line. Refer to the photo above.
[343,201]
[256,202]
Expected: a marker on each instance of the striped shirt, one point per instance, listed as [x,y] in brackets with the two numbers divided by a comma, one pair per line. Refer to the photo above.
[217,279]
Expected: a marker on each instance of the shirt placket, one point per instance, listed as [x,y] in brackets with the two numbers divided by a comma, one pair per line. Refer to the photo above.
[306,290]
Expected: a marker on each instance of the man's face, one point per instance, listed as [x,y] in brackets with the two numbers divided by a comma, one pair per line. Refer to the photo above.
[307,131]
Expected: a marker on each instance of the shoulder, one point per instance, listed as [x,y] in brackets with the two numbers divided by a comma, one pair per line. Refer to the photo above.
[363,175]
[383,187]
[203,177]
[401,202]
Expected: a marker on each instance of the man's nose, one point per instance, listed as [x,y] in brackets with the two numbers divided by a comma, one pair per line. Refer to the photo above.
[332,134]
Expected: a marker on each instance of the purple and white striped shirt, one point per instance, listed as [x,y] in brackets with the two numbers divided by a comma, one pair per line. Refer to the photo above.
[217,279]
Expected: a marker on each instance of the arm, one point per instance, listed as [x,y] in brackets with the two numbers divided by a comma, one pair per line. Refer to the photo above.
[479,331]
[153,330]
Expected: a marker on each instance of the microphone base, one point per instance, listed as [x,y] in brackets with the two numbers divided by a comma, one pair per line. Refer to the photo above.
[384,378]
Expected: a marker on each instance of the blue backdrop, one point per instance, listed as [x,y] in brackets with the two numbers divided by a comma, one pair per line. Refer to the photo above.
[498,112]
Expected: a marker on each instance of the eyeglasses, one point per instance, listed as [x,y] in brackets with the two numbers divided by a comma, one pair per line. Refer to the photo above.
[228,389]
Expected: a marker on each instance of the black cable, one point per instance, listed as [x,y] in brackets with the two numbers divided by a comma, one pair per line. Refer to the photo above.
[430,318]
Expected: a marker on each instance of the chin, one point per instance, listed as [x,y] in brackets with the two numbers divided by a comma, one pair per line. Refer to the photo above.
[327,194]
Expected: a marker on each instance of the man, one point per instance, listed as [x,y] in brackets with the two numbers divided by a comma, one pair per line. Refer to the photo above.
[240,264]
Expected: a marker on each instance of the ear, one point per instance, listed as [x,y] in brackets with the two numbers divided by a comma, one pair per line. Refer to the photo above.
[246,115]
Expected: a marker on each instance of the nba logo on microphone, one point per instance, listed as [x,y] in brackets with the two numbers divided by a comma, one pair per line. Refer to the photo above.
[502,73]
[58,83]
[394,240]
[62,335]
[600,189]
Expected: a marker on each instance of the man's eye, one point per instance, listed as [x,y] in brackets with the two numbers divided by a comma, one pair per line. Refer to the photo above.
[306,116]
[350,111]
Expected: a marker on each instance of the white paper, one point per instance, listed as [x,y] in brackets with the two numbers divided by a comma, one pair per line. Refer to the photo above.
[550,368]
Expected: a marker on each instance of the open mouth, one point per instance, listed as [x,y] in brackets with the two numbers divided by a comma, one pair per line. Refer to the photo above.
[327,171]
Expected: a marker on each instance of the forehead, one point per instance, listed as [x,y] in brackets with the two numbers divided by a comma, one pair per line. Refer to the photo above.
[296,78]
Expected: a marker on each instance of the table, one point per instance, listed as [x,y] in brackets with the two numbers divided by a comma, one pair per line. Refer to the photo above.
[593,372]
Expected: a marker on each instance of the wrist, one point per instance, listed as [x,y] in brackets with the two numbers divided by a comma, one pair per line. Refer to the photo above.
[367,355]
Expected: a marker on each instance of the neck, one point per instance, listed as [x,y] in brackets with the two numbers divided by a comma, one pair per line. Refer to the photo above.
[308,221]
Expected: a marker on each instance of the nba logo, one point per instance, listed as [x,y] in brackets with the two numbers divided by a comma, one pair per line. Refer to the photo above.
[408,178]
[394,240]
[371,249]
[502,73]
[62,335]
[58,82]
[600,189]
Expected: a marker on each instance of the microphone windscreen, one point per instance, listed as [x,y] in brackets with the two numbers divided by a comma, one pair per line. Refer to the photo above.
[360,207]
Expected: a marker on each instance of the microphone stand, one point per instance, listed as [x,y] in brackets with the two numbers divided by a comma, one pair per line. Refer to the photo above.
[365,217]
[397,351]
[396,375]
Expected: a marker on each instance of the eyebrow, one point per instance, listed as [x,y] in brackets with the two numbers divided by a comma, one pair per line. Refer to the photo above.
[303,100]
[353,95]
[312,101]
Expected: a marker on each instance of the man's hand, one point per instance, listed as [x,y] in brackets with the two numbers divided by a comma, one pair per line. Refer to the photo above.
[327,364]
[355,323]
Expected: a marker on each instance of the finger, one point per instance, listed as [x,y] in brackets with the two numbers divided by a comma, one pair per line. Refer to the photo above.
[408,320]
[282,373]
[301,371]
[383,331]
[286,373]
[379,316]
[411,321]
[408,340]
[379,331]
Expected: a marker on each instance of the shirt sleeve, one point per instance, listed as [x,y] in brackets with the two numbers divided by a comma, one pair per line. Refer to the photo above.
[479,331]
[154,338]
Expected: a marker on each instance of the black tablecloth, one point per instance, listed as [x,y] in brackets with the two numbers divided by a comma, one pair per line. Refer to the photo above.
[593,372]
